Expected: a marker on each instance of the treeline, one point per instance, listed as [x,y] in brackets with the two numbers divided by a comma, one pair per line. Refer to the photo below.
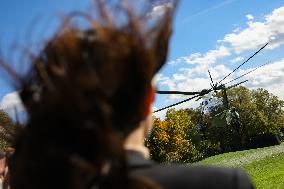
[186,136]
[8,130]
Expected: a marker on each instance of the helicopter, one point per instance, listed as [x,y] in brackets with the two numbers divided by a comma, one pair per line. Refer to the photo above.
[228,115]
[209,102]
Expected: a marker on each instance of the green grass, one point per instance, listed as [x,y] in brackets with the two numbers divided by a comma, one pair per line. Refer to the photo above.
[264,165]
[267,173]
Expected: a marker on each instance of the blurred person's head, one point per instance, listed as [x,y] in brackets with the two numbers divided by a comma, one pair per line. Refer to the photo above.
[87,90]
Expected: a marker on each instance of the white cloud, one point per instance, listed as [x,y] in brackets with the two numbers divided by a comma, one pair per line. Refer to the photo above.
[177,61]
[234,31]
[160,114]
[159,77]
[164,81]
[250,38]
[208,58]
[188,104]
[236,60]
[202,62]
[270,77]
[249,17]
[219,71]
[179,77]
[172,62]
[11,103]
[259,33]
[160,9]
[240,40]
[193,84]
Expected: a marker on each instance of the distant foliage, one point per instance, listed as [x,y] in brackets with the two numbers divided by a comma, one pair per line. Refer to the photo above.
[260,121]
[186,136]
[261,116]
[172,139]
[8,130]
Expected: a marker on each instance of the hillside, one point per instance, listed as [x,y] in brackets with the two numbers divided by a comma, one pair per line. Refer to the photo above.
[264,165]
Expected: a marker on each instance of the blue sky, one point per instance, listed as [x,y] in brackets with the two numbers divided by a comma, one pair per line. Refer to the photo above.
[208,34]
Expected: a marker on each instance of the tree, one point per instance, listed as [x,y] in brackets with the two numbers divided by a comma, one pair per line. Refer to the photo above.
[8,130]
[271,108]
[172,139]
[157,140]
[261,118]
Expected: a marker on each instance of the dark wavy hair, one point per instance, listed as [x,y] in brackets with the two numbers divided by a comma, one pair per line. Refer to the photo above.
[85,92]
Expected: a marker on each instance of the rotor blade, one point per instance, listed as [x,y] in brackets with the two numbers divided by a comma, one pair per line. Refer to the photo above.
[177,92]
[244,62]
[176,103]
[212,83]
[248,72]
[236,84]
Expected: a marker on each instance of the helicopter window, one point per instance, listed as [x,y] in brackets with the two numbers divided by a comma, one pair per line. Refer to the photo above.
[206,102]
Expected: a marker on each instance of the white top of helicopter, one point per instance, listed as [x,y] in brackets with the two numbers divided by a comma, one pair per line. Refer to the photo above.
[209,102]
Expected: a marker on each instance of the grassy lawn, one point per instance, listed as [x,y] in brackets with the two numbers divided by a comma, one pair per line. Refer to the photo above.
[264,165]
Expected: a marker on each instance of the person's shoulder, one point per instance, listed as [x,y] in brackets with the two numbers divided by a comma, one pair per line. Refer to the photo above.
[183,176]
